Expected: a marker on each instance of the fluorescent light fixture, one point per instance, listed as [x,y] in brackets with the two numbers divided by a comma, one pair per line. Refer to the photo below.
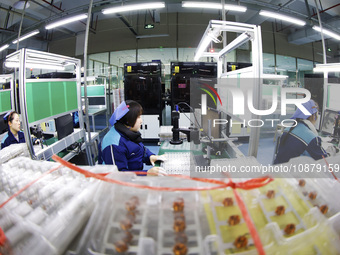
[282,17]
[243,38]
[334,67]
[27,36]
[4,47]
[151,36]
[274,76]
[327,32]
[66,21]
[206,5]
[134,7]
[11,64]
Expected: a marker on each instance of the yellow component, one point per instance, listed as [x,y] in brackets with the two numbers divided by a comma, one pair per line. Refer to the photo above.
[233,67]
[43,126]
[236,129]
[176,69]
[129,69]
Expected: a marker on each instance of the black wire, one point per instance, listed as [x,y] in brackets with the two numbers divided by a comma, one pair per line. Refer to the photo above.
[192,110]
[200,127]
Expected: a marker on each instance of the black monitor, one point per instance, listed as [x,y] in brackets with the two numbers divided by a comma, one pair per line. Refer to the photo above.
[330,123]
[212,114]
[3,124]
[64,126]
[97,101]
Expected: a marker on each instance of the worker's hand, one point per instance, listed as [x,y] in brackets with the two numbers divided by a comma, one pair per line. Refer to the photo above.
[157,171]
[154,158]
[331,150]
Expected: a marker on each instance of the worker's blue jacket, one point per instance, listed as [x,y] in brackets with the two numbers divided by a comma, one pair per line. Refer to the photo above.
[10,139]
[119,149]
[301,141]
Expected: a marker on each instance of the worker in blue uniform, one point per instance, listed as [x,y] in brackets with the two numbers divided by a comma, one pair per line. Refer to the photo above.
[302,139]
[14,134]
[123,146]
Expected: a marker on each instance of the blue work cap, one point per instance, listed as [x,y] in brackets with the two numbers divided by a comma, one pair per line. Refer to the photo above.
[119,113]
[311,106]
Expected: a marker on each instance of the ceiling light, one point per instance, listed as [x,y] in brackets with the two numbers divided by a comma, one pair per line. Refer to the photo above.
[11,64]
[205,5]
[282,17]
[134,7]
[27,36]
[151,36]
[327,32]
[274,76]
[334,67]
[66,21]
[4,47]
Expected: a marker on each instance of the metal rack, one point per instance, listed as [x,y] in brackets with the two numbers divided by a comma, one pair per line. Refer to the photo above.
[26,58]
[250,33]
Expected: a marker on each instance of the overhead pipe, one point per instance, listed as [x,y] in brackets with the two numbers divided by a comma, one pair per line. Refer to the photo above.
[53,5]
[315,14]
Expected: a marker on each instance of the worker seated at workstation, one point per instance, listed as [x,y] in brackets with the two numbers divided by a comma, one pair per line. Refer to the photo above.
[303,139]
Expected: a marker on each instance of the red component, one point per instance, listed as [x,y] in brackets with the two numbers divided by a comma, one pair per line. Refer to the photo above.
[234,220]
[125,224]
[129,206]
[271,193]
[241,242]
[180,249]
[280,210]
[178,205]
[228,201]
[121,246]
[179,225]
[312,195]
[323,209]
[302,183]
[289,229]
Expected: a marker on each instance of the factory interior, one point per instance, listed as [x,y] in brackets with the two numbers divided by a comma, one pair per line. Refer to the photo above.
[132,127]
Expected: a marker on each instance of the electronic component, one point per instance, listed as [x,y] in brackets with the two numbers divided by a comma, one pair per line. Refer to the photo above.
[271,193]
[280,210]
[241,242]
[289,229]
[228,201]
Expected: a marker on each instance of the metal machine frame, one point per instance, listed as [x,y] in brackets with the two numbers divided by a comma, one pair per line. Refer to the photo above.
[250,33]
[26,58]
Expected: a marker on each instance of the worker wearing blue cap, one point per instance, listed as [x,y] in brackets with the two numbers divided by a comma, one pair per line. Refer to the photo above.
[14,134]
[123,146]
[302,139]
